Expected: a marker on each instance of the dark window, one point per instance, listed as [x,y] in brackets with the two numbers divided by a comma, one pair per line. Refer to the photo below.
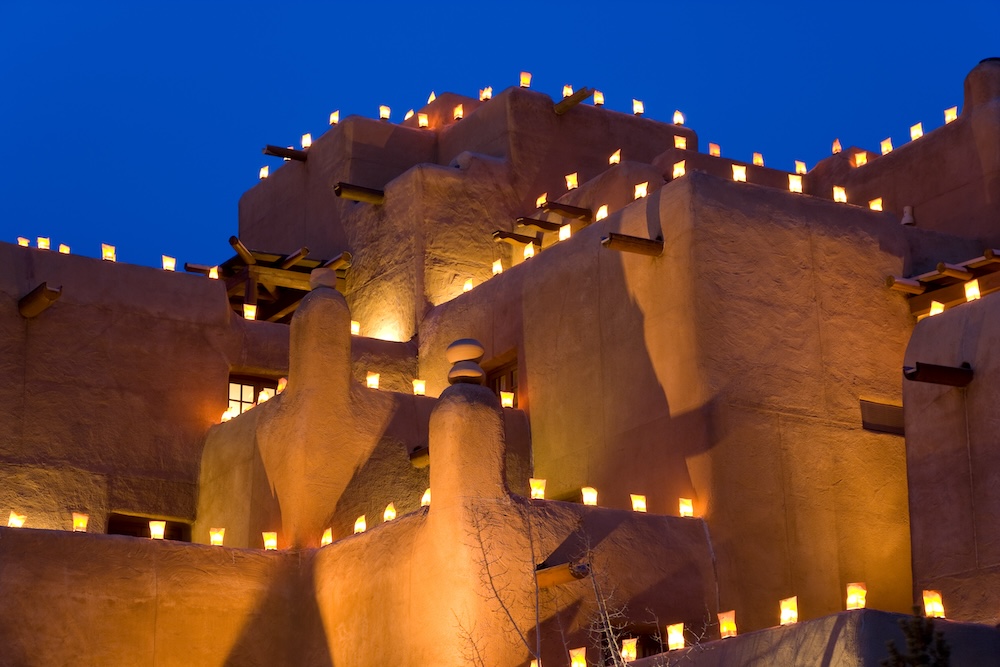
[504,378]
[138,526]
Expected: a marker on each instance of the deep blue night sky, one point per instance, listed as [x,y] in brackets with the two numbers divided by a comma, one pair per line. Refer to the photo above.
[140,124]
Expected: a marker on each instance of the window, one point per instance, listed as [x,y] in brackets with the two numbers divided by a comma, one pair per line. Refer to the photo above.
[243,391]
[138,526]
[504,378]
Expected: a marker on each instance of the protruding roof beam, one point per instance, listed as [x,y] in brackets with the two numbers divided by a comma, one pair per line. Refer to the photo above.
[37,300]
[907,285]
[636,244]
[501,236]
[567,211]
[567,103]
[953,376]
[359,193]
[290,153]
[291,260]
[242,251]
[540,225]
[341,261]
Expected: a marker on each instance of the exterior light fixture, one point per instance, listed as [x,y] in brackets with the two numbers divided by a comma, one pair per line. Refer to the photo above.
[458,112]
[565,232]
[972,290]
[529,251]
[421,120]
[169,263]
[335,117]
[542,198]
[229,414]
[372,380]
[839,194]
[216,536]
[758,159]
[355,328]
[800,167]
[23,242]
[629,652]
[950,115]
[213,273]
[425,500]
[685,507]
[390,512]
[408,115]
[875,204]
[933,605]
[486,94]
[270,541]
[467,287]
[578,657]
[727,624]
[638,502]
[602,212]
[249,311]
[507,397]
[526,79]
[156,529]
[637,107]
[43,242]
[63,248]
[419,387]
[836,146]
[327,537]
[740,173]
[567,91]
[571,181]
[916,131]
[431,97]
[678,118]
[16,520]
[598,98]
[680,142]
[640,189]
[383,112]
[589,495]
[936,308]
[282,385]
[794,183]
[263,173]
[616,157]
[714,150]
[108,253]
[860,159]
[80,522]
[265,395]
[886,146]
[360,525]
[497,267]
[307,140]
[675,636]
[789,610]
[537,487]
[856,594]
[679,168]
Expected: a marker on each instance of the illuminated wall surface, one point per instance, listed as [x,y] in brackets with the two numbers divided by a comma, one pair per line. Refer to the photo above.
[696,360]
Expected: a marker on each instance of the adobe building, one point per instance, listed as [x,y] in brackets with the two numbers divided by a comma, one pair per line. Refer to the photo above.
[438,340]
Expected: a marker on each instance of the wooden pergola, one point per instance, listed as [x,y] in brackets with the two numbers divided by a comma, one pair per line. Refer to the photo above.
[946,283]
[274,282]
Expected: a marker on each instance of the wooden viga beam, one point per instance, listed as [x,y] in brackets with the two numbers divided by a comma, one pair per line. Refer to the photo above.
[359,193]
[540,225]
[241,250]
[341,261]
[905,285]
[37,300]
[567,103]
[294,258]
[567,211]
[501,236]
[555,575]
[289,153]
[636,244]
[952,295]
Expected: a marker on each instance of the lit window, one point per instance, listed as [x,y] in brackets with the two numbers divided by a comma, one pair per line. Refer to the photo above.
[243,392]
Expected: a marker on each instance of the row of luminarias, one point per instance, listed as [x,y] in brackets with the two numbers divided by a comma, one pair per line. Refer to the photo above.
[458,112]
[971,294]
[789,614]
[108,253]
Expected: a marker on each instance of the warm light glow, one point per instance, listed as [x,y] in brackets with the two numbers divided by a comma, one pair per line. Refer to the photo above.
[23,242]
[421,120]
[335,117]
[507,397]
[390,512]
[156,529]
[638,502]
[886,145]
[714,150]
[875,204]
[431,97]
[169,263]
[270,541]
[740,173]
[249,311]
[675,636]
[950,115]
[327,537]
[933,605]
[567,90]
[229,414]
[307,140]
[486,94]
[678,118]
[16,520]
[360,525]
[216,536]
[727,624]
[578,657]
[790,610]
[43,243]
[758,159]
[616,157]
[679,168]
[419,387]
[629,652]
[467,287]
[213,273]
[108,253]
[282,385]
[425,500]
[598,98]
[637,107]
[856,594]
[526,79]
[497,267]
[537,488]
[640,190]
[936,308]
[262,174]
[794,183]
[458,112]
[685,507]
[408,115]
[63,248]
[529,251]
[680,142]
[355,328]
[860,159]
[839,194]
[589,495]
[602,212]
[565,232]
[542,198]
[80,522]
[571,181]
[383,112]
[265,395]
[836,146]
[372,380]
[916,131]
[972,290]
[800,167]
